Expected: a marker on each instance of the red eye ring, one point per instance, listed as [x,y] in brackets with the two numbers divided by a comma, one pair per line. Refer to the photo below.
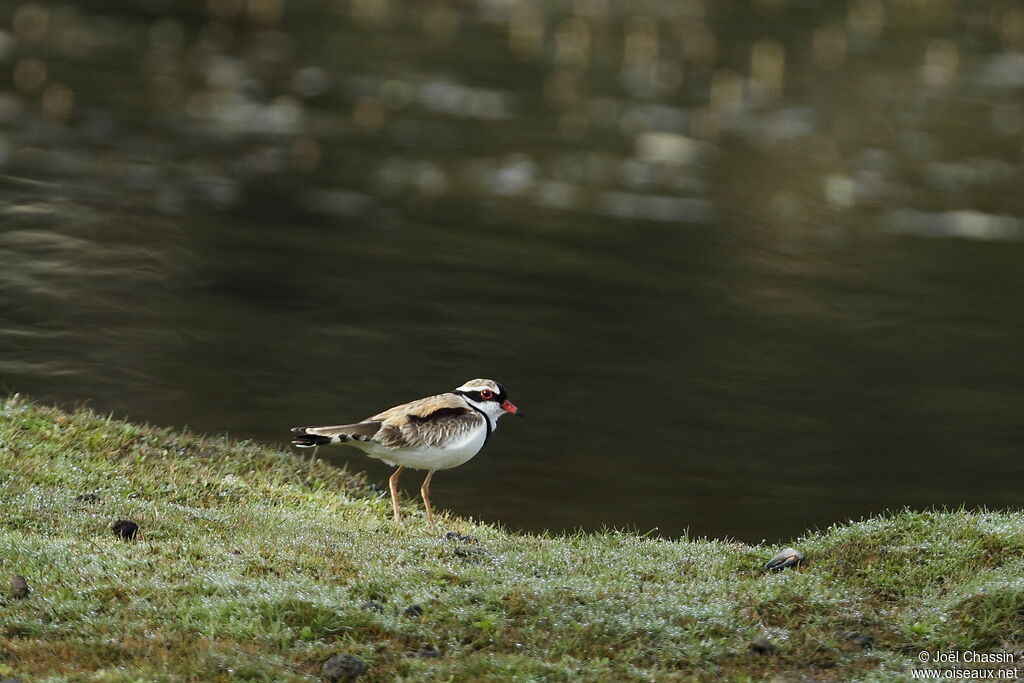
[486,394]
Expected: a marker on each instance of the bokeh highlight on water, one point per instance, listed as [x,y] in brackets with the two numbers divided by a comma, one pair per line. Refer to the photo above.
[751,268]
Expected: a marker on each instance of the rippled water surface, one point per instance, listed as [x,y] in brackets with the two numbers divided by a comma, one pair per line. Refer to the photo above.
[750,268]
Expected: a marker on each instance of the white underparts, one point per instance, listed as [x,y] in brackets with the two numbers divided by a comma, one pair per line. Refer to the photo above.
[444,457]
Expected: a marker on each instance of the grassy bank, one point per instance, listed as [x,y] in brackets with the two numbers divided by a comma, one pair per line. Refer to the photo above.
[252,566]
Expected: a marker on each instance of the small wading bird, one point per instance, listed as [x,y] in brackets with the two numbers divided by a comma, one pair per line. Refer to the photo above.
[432,433]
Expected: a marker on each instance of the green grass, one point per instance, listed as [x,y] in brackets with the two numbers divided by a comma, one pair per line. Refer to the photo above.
[253,566]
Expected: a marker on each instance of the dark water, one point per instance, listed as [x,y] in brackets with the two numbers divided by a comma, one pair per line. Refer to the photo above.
[751,268]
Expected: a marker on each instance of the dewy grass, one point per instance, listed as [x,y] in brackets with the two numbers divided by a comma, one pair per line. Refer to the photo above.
[251,565]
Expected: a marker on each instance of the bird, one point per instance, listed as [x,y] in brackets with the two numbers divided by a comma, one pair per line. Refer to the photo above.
[433,433]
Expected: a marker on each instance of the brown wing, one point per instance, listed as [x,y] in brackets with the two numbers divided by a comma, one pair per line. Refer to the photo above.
[422,423]
[427,422]
[420,408]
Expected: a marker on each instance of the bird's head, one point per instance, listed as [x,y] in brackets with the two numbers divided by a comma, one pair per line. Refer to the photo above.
[488,396]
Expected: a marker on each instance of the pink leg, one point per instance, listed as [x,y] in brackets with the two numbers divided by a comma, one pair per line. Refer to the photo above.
[425,492]
[393,485]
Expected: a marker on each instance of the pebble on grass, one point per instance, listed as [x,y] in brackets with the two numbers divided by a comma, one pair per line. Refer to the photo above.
[125,529]
[865,640]
[342,668]
[470,552]
[87,497]
[372,606]
[413,611]
[19,587]
[425,652]
[762,646]
[789,557]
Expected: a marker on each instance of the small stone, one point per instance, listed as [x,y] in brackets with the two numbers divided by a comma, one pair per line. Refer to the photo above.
[414,611]
[456,536]
[125,529]
[19,587]
[762,646]
[425,652]
[342,668]
[864,640]
[87,497]
[472,553]
[372,606]
[789,557]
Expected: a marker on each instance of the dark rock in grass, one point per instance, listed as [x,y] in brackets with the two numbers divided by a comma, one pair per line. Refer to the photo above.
[456,536]
[87,497]
[790,557]
[372,606]
[762,646]
[125,529]
[864,640]
[19,587]
[414,611]
[425,652]
[342,668]
[472,553]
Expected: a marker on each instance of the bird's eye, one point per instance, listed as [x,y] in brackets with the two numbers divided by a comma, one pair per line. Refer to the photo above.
[486,394]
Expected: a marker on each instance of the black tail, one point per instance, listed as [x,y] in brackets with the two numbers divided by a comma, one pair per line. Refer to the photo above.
[304,440]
